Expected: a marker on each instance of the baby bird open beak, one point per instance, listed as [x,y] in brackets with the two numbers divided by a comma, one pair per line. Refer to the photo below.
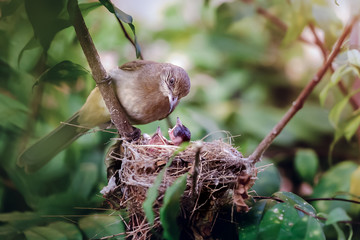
[179,133]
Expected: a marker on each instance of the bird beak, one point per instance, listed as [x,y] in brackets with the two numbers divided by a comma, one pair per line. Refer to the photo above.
[178,122]
[173,102]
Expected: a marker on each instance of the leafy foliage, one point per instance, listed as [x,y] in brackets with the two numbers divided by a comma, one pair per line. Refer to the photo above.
[306,164]
[121,16]
[63,71]
[47,19]
[170,209]
[271,220]
[245,69]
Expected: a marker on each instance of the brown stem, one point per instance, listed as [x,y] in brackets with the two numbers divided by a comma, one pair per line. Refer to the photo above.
[332,199]
[102,79]
[325,53]
[278,22]
[298,103]
[195,174]
[318,42]
[126,34]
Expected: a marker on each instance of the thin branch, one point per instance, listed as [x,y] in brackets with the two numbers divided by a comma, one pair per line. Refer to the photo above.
[332,199]
[195,174]
[126,34]
[298,103]
[102,79]
[318,42]
[344,91]
[278,22]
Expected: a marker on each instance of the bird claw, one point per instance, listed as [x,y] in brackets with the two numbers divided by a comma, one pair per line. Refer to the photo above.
[107,80]
[134,135]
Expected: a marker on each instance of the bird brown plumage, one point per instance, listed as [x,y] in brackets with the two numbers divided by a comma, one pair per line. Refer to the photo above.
[147,90]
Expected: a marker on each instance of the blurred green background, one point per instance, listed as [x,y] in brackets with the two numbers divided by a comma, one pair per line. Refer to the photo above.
[244,77]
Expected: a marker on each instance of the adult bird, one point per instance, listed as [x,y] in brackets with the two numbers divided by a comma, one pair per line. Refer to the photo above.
[147,90]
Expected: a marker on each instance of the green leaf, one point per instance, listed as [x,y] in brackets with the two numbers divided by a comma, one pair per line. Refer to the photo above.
[39,233]
[355,183]
[47,19]
[31,44]
[295,201]
[85,179]
[108,5]
[5,72]
[85,8]
[268,180]
[351,126]
[336,215]
[277,222]
[9,7]
[98,226]
[339,231]
[70,230]
[339,73]
[249,222]
[17,216]
[300,16]
[335,180]
[230,12]
[308,228]
[171,208]
[283,222]
[15,112]
[306,164]
[354,57]
[339,133]
[122,16]
[152,192]
[9,232]
[65,71]
[335,113]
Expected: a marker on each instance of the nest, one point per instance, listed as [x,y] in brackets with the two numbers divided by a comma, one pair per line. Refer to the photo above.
[219,175]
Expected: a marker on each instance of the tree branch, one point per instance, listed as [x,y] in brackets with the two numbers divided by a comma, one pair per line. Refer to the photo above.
[340,84]
[318,42]
[102,79]
[298,103]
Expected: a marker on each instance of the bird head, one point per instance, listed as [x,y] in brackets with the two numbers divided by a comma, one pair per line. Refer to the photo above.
[179,133]
[175,84]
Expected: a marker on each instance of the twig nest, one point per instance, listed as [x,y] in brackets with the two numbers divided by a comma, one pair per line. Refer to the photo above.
[218,175]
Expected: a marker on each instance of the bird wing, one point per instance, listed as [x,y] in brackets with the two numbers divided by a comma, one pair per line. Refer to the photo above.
[135,65]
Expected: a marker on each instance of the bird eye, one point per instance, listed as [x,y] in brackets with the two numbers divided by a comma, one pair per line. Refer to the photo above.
[172,81]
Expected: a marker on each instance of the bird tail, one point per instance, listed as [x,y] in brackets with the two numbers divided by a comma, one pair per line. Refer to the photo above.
[41,152]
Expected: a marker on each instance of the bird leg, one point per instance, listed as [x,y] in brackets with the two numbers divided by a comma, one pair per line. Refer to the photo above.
[134,135]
